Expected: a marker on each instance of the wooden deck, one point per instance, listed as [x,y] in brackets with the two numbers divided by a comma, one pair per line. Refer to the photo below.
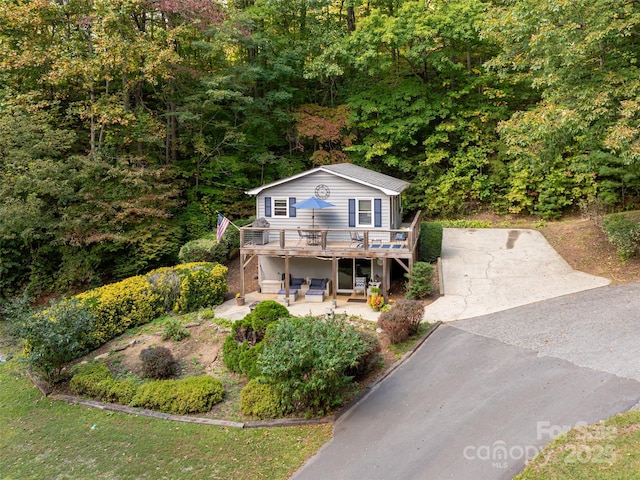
[331,242]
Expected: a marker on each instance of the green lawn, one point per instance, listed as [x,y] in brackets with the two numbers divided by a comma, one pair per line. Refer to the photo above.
[40,438]
[606,450]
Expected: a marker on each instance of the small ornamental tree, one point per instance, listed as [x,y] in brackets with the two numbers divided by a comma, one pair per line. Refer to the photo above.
[55,335]
[420,278]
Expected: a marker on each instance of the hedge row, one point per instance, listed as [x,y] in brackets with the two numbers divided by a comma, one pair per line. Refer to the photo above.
[138,300]
[190,395]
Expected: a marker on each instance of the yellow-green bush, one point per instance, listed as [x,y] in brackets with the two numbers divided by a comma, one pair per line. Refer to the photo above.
[96,381]
[122,305]
[140,299]
[260,400]
[88,380]
[202,284]
[190,395]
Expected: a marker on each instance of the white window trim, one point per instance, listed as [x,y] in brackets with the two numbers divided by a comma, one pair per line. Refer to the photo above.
[273,207]
[358,224]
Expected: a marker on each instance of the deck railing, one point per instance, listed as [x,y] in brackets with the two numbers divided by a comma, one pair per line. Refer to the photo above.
[320,238]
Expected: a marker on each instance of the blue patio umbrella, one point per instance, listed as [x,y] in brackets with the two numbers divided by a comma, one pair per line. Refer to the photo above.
[312,203]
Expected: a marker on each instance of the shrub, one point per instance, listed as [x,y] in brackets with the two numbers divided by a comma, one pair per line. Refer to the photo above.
[91,380]
[55,335]
[430,241]
[623,234]
[121,305]
[239,350]
[420,281]
[158,362]
[231,351]
[190,395]
[175,331]
[263,315]
[370,357]
[260,400]
[120,391]
[402,321]
[249,359]
[202,250]
[202,285]
[306,360]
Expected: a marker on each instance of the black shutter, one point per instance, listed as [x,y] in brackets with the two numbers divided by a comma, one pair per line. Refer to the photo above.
[377,212]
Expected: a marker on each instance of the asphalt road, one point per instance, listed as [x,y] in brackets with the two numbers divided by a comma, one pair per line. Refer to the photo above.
[470,406]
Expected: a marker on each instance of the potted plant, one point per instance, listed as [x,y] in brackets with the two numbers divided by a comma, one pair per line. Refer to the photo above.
[376,302]
[239,299]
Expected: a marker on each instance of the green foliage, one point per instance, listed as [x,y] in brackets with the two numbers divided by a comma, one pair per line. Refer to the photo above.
[190,395]
[120,306]
[266,313]
[420,278]
[158,362]
[231,351]
[248,361]
[174,330]
[369,360]
[96,381]
[430,241]
[91,380]
[465,223]
[242,347]
[138,300]
[200,250]
[306,361]
[202,285]
[624,234]
[402,321]
[260,400]
[55,335]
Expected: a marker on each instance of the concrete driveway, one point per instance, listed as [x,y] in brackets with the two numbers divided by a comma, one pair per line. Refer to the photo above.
[547,350]
[490,270]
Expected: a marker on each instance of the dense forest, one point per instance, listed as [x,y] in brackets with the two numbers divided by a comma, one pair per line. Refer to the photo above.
[126,124]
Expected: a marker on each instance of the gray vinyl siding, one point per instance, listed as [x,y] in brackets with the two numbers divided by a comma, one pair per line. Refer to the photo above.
[341,190]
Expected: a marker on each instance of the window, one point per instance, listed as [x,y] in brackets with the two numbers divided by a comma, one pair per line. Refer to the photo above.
[365,212]
[280,207]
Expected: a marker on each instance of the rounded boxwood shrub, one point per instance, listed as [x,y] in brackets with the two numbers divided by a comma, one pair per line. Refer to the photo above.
[231,351]
[190,395]
[260,400]
[158,362]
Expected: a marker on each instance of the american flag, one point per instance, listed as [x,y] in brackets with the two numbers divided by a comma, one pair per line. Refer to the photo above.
[223,223]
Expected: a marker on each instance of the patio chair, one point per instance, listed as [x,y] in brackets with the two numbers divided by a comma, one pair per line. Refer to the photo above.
[360,285]
[356,237]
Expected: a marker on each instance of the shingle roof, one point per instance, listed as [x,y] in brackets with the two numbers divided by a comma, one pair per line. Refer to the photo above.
[385,183]
[369,177]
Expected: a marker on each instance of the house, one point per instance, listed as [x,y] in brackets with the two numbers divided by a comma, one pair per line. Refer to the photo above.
[357,235]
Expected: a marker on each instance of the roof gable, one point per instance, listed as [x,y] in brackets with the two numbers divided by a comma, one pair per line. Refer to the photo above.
[385,183]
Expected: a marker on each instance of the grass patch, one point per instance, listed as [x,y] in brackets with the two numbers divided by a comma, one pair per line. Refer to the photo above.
[400,349]
[52,439]
[605,450]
